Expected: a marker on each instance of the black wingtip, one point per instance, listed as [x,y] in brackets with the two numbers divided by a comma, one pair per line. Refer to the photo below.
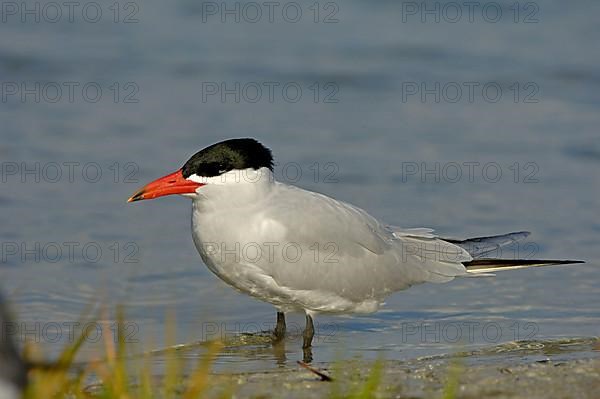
[498,263]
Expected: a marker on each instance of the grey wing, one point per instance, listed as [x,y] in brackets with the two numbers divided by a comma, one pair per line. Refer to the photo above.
[479,247]
[350,253]
[317,218]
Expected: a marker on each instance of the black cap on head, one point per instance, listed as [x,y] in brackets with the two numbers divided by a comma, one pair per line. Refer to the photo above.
[228,155]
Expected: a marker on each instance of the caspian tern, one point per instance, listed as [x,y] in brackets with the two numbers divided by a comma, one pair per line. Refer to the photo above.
[304,251]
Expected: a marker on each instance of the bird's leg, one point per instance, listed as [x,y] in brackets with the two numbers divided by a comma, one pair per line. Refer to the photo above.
[279,332]
[307,355]
[309,333]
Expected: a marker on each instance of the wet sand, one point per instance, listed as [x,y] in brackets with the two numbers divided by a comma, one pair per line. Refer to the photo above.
[567,368]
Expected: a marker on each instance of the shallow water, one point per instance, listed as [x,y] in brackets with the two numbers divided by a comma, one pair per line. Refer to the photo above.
[376,147]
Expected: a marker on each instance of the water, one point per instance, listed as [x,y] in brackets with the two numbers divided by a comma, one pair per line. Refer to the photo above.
[355,123]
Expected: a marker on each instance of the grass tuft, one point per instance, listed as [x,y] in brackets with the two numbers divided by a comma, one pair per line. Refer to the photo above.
[65,379]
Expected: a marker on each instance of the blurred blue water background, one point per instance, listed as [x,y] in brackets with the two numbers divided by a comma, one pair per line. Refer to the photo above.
[362,118]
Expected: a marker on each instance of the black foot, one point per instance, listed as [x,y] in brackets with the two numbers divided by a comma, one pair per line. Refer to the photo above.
[307,355]
[309,333]
[279,331]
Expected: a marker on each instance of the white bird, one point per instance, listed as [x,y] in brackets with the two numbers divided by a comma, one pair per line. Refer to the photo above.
[304,251]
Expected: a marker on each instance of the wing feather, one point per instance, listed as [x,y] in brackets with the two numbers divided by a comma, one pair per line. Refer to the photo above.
[355,255]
